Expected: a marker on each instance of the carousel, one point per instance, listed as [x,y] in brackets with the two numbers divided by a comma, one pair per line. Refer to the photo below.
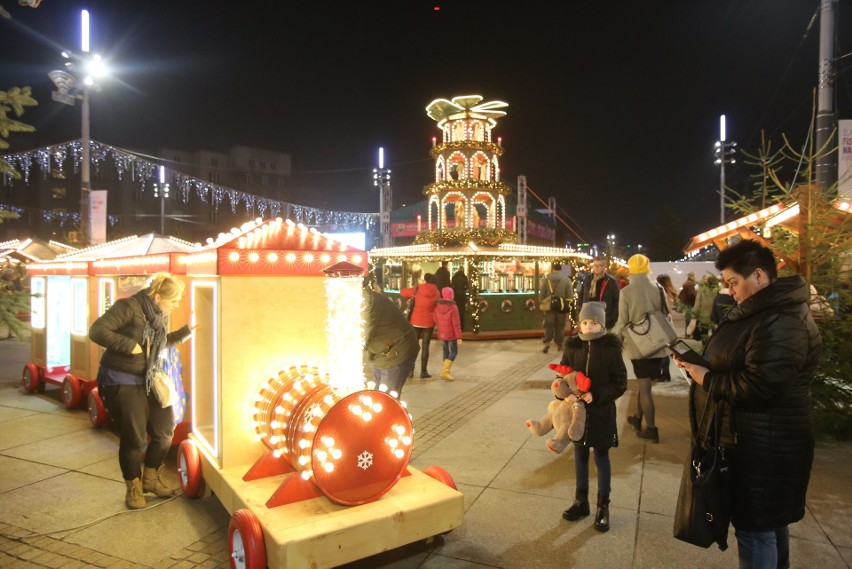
[467,227]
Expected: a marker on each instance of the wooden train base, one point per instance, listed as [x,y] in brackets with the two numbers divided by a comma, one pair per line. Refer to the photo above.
[316,533]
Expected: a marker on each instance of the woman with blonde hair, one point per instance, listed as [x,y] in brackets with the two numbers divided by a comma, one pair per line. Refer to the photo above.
[134,332]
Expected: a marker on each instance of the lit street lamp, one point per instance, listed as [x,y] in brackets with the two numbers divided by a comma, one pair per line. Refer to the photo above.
[69,87]
[724,151]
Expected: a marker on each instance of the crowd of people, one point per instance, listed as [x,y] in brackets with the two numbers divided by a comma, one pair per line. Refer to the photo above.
[755,329]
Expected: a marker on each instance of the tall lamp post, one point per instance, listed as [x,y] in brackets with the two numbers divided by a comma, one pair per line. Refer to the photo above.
[69,87]
[724,152]
[381,179]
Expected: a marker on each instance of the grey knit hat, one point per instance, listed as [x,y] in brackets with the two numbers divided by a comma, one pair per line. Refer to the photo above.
[594,311]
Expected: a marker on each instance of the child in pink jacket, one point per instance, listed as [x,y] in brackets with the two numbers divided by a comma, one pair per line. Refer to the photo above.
[449,329]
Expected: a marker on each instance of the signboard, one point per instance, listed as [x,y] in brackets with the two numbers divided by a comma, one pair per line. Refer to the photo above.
[844,159]
[98,215]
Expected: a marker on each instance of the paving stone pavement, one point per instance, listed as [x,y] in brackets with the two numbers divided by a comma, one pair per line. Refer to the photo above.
[61,495]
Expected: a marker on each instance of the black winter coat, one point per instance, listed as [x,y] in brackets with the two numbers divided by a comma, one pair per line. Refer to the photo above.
[119,329]
[601,361]
[608,292]
[762,358]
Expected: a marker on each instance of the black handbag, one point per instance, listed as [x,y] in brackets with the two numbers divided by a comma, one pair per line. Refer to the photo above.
[703,511]
[409,307]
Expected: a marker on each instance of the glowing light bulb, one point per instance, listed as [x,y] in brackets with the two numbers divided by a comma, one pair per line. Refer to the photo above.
[290,257]
[336,454]
[253,257]
[393,443]
[303,460]
[328,467]
[272,257]
[377,407]
[306,475]
[399,453]
[322,455]
[367,416]
[406,440]
[328,442]
[400,430]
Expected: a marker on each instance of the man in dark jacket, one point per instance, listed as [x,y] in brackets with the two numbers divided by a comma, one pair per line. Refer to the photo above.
[389,340]
[556,283]
[442,276]
[460,286]
[600,286]
[762,358]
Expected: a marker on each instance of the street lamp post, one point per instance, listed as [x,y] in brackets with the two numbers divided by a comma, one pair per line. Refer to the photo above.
[69,88]
[161,191]
[381,179]
[724,152]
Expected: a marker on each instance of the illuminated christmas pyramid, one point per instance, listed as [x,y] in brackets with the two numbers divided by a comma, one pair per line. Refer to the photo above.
[467,200]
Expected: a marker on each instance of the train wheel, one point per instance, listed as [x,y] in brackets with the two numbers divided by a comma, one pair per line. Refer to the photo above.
[189,469]
[31,377]
[97,411]
[440,475]
[71,391]
[245,541]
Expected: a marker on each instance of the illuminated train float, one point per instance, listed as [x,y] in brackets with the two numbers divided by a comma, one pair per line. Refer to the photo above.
[310,459]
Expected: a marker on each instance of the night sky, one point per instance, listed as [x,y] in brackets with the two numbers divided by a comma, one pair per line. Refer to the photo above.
[613,107]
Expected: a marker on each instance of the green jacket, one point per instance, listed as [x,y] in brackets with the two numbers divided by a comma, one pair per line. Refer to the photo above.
[389,338]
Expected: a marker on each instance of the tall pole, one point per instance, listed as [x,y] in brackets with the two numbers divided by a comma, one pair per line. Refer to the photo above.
[521,210]
[724,151]
[381,179]
[826,167]
[85,181]
[85,138]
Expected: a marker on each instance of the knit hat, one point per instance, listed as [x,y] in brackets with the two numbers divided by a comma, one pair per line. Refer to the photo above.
[594,311]
[639,264]
[447,293]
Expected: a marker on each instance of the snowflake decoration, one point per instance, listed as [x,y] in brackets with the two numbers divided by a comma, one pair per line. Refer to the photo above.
[365,460]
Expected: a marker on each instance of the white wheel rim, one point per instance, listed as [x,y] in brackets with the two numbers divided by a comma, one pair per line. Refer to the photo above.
[238,553]
[183,470]
[28,378]
[93,410]
[66,391]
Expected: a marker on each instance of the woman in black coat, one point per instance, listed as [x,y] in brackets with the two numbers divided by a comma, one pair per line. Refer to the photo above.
[130,329]
[598,355]
[762,358]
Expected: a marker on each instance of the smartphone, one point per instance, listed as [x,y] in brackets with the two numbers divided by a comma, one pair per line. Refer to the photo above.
[682,351]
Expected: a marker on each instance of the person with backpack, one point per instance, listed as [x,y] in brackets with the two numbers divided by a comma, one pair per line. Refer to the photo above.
[556,285]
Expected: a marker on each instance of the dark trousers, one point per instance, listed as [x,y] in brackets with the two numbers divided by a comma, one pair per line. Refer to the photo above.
[137,414]
[424,334]
[461,304]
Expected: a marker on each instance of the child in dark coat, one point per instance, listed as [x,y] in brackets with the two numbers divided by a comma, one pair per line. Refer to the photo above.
[598,355]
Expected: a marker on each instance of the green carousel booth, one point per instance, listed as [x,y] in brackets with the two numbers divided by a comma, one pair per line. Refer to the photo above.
[503,281]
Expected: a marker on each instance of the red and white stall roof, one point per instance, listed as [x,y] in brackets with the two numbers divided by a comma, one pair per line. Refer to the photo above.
[272,247]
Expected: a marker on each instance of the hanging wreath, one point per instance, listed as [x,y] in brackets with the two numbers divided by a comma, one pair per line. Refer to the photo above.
[530,304]
[483,305]
[506,305]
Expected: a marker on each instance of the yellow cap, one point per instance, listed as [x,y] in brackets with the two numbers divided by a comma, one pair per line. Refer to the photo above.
[639,264]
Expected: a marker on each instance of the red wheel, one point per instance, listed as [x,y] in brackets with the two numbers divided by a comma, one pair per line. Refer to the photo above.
[440,475]
[245,541]
[189,469]
[71,391]
[97,411]
[31,378]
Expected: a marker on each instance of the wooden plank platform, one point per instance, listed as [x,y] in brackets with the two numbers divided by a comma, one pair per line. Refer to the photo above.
[317,533]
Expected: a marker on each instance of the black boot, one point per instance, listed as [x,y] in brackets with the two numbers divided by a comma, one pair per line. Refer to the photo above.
[602,515]
[580,507]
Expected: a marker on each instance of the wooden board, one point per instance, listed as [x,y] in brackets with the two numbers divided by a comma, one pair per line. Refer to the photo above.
[317,533]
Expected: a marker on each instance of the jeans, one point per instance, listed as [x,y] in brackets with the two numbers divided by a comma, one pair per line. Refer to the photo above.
[581,467]
[764,549]
[451,349]
[394,377]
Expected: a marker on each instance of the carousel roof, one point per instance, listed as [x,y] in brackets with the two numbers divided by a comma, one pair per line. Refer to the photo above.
[502,251]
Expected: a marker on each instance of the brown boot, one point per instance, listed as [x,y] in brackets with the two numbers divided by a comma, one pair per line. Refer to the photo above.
[151,482]
[134,498]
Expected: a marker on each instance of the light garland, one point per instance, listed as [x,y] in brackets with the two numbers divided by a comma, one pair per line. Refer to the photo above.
[145,173]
